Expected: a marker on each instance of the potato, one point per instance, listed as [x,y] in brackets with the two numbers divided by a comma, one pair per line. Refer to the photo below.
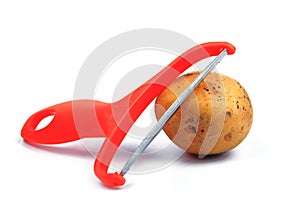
[215,118]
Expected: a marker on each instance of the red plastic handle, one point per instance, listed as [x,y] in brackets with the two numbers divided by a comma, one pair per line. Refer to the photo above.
[136,102]
[65,126]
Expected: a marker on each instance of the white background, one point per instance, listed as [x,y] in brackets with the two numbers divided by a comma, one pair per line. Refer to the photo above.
[43,45]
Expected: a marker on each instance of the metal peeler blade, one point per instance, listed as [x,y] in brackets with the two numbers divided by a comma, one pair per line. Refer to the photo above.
[169,113]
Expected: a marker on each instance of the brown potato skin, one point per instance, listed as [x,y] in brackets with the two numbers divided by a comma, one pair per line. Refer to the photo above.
[214,119]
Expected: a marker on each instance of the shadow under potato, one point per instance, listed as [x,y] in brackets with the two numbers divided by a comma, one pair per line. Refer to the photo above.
[195,159]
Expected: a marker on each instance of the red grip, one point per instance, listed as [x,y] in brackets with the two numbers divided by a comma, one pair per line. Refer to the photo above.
[72,120]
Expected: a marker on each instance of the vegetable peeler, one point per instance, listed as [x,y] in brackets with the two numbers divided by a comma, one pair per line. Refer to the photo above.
[78,119]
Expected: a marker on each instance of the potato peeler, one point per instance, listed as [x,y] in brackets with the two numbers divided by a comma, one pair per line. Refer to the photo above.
[78,119]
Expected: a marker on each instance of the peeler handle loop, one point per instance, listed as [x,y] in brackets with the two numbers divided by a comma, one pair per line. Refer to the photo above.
[70,119]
